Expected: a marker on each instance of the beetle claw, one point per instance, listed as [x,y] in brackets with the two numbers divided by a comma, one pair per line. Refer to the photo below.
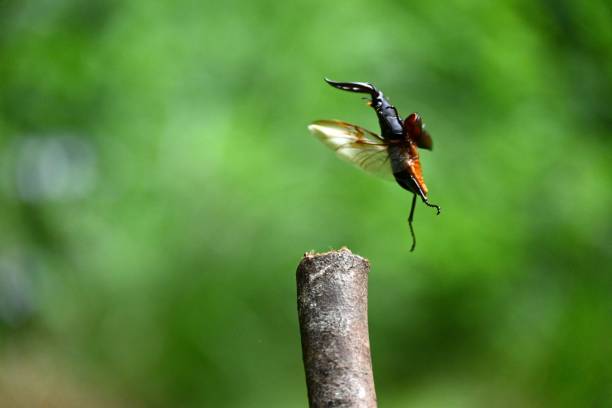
[359,87]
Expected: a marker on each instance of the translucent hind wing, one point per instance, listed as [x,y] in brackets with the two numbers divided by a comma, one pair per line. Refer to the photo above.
[361,147]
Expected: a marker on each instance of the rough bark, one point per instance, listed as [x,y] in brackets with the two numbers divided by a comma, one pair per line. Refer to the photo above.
[333,312]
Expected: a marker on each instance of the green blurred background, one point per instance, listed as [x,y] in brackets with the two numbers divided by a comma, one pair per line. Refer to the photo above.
[158,187]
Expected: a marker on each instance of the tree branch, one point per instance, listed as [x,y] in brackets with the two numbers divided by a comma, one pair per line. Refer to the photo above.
[333,311]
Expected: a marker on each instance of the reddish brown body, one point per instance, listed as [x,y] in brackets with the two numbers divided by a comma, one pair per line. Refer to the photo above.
[404,156]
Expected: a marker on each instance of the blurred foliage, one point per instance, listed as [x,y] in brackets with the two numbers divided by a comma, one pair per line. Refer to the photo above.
[158,187]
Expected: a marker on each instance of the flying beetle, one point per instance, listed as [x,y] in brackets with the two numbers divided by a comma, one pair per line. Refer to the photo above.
[393,153]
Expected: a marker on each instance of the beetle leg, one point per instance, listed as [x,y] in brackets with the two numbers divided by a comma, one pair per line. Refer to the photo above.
[410,218]
[427,203]
[423,196]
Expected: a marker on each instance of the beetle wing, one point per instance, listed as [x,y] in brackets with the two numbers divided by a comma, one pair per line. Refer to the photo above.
[414,130]
[355,144]
[424,141]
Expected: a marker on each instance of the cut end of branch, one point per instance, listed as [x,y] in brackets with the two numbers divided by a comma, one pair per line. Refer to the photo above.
[312,253]
[332,307]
